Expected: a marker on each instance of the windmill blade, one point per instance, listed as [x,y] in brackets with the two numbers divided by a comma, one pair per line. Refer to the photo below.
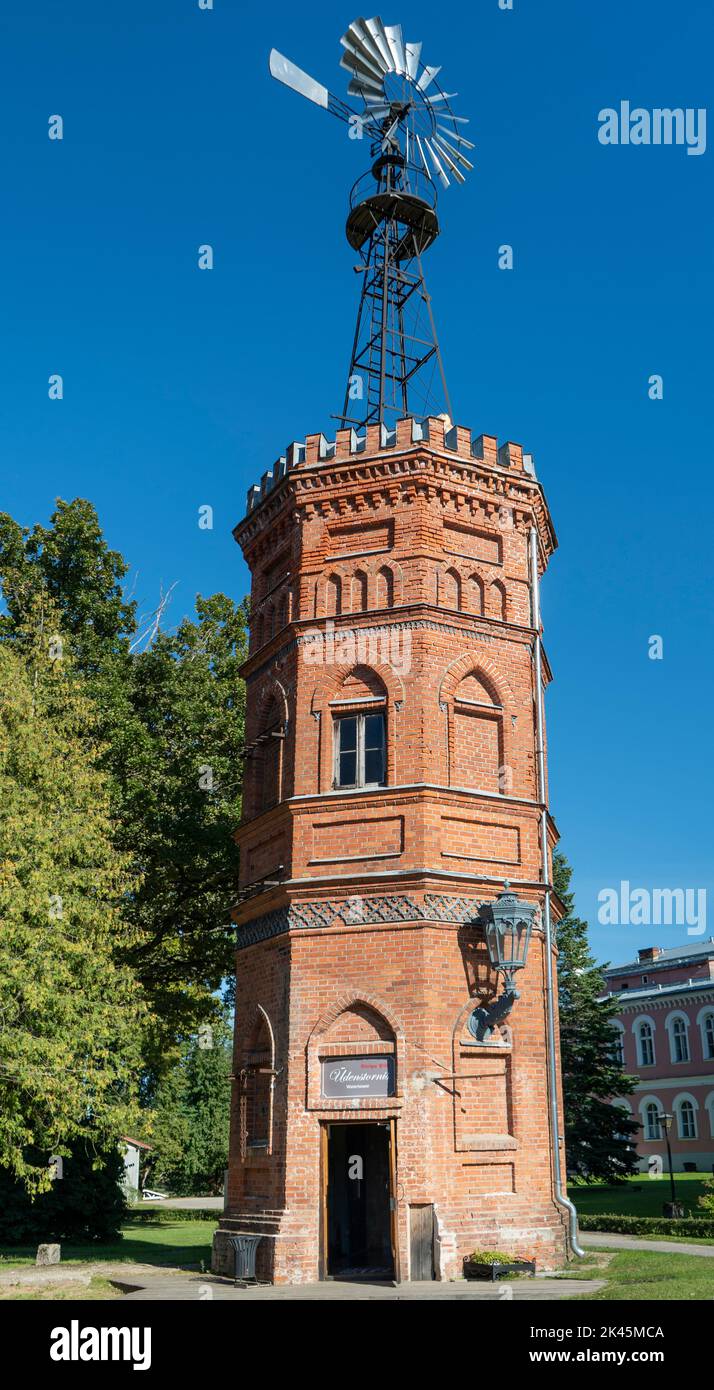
[440,141]
[443,96]
[355,63]
[375,28]
[373,100]
[366,87]
[441,175]
[427,78]
[461,120]
[396,47]
[448,160]
[454,135]
[412,53]
[359,39]
[291,76]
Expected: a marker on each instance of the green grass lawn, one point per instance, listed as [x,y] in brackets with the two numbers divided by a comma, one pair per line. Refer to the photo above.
[96,1289]
[624,1200]
[637,1274]
[182,1243]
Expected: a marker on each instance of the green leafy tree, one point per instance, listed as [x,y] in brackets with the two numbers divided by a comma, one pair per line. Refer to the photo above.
[177,766]
[599,1135]
[171,717]
[188,1123]
[71,1015]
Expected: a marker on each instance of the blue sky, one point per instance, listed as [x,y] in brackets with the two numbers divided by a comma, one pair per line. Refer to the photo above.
[182,386]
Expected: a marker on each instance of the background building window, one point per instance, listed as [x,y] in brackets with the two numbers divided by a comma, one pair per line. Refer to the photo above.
[645,1045]
[708,1037]
[360,750]
[679,1041]
[653,1130]
[618,1045]
[687,1120]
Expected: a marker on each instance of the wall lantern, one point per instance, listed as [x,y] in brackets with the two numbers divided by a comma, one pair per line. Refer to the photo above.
[507,923]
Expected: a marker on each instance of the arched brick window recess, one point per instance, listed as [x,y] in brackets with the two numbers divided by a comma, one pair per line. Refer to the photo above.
[498,604]
[477,753]
[256,1079]
[360,602]
[385,587]
[362,694]
[355,1023]
[476,594]
[451,590]
[476,696]
[264,760]
[333,596]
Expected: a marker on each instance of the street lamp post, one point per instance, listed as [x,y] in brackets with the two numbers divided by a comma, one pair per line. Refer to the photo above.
[670,1208]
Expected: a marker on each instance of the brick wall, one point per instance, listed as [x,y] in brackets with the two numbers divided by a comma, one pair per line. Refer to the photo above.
[406,574]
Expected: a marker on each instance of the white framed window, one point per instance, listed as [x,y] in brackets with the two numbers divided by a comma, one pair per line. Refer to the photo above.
[361,749]
[678,1029]
[686,1118]
[653,1127]
[645,1043]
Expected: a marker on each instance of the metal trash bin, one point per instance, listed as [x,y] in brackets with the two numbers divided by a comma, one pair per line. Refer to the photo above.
[245,1248]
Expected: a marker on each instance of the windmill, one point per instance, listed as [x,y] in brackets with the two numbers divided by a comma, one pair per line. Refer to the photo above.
[416,142]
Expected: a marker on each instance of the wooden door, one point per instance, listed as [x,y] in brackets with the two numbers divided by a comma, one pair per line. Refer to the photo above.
[421,1242]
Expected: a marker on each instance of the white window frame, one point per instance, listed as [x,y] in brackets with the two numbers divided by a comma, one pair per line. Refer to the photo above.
[637,1027]
[679,1102]
[670,1023]
[361,715]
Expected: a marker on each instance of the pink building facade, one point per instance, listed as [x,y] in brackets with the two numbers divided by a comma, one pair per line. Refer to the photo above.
[665,1027]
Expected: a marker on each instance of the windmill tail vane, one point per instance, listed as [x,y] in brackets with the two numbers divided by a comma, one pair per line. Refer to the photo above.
[417,145]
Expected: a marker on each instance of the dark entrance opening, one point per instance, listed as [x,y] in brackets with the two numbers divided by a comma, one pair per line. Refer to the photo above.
[359,1201]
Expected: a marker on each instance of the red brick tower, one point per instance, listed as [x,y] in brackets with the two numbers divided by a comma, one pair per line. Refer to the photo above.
[391,787]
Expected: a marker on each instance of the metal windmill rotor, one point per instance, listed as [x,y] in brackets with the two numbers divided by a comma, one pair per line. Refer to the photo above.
[416,141]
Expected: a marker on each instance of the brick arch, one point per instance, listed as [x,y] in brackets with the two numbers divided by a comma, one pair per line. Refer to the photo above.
[503,1029]
[342,1001]
[330,683]
[497,598]
[272,689]
[348,1000]
[479,663]
[344,574]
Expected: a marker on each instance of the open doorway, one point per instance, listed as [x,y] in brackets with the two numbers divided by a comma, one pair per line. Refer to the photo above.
[358,1201]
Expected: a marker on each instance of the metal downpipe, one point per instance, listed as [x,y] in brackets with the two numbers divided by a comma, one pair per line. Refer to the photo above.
[560,1196]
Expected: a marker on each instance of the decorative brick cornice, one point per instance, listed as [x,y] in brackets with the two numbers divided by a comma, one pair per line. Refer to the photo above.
[359,911]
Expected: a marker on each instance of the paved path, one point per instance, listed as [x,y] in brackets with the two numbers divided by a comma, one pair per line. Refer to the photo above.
[184,1204]
[193,1288]
[618,1242]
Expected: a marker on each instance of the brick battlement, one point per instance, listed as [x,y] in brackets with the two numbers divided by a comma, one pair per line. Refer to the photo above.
[436,431]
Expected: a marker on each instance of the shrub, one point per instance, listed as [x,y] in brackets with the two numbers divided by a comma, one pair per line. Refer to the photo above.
[701,1226]
[86,1204]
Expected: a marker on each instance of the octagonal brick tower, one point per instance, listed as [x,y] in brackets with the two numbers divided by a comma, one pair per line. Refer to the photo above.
[390,789]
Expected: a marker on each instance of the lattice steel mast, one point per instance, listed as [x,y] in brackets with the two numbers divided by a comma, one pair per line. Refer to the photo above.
[396,367]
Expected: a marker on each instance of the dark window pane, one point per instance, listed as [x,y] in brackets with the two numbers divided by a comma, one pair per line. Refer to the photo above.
[348,735]
[347,769]
[374,731]
[374,761]
[373,765]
